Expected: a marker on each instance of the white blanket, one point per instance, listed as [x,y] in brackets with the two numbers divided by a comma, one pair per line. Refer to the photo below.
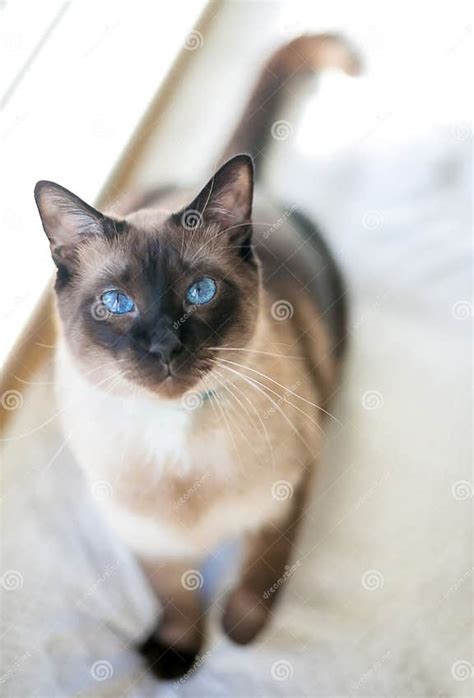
[379,603]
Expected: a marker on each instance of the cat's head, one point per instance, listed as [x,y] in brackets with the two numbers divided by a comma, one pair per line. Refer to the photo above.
[146,298]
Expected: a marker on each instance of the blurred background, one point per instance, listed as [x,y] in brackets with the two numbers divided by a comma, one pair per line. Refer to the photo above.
[110,100]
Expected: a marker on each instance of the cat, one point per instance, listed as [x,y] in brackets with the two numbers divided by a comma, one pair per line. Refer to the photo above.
[200,339]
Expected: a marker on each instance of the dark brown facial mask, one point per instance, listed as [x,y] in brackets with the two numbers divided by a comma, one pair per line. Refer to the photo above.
[141,294]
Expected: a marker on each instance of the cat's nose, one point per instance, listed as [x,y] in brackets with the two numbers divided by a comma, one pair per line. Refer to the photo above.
[165,345]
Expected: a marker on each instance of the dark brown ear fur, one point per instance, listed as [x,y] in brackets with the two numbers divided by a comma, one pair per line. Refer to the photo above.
[68,222]
[226,199]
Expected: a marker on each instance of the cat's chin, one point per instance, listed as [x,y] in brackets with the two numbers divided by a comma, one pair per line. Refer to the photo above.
[170,388]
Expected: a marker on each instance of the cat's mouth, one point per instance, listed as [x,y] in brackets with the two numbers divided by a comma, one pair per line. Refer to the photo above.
[165,380]
[168,386]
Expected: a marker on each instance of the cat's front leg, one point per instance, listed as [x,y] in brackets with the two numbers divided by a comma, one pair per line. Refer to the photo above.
[265,567]
[174,646]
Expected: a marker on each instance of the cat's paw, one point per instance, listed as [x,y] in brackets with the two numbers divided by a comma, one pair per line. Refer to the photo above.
[169,661]
[245,615]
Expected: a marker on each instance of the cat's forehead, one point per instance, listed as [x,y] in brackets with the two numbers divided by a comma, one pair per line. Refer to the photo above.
[188,237]
[151,246]
[173,240]
[148,219]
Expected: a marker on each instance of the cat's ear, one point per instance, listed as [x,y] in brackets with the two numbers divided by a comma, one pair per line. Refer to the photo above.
[67,221]
[226,198]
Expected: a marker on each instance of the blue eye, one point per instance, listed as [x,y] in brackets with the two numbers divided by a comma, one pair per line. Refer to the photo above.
[201,291]
[117,302]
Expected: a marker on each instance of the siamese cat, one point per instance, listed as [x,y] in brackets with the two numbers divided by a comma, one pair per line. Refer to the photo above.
[201,338]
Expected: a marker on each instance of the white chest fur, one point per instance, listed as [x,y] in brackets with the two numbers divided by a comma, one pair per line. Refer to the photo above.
[126,442]
[109,431]
[137,445]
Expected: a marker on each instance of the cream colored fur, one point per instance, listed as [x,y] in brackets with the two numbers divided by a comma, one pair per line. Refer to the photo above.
[176,480]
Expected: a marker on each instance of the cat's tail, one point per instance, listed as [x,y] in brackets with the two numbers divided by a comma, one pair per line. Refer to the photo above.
[304,55]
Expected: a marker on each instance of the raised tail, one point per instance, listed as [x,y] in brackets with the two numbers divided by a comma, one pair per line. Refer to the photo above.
[305,55]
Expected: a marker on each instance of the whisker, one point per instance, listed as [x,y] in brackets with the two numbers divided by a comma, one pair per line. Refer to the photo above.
[53,382]
[250,381]
[264,428]
[113,375]
[226,230]
[285,388]
[226,388]
[213,395]
[256,351]
[209,389]
[56,414]
[24,382]
[295,407]
[45,346]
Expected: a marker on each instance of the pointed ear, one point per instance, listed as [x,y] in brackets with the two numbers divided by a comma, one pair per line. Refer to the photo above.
[226,198]
[67,221]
